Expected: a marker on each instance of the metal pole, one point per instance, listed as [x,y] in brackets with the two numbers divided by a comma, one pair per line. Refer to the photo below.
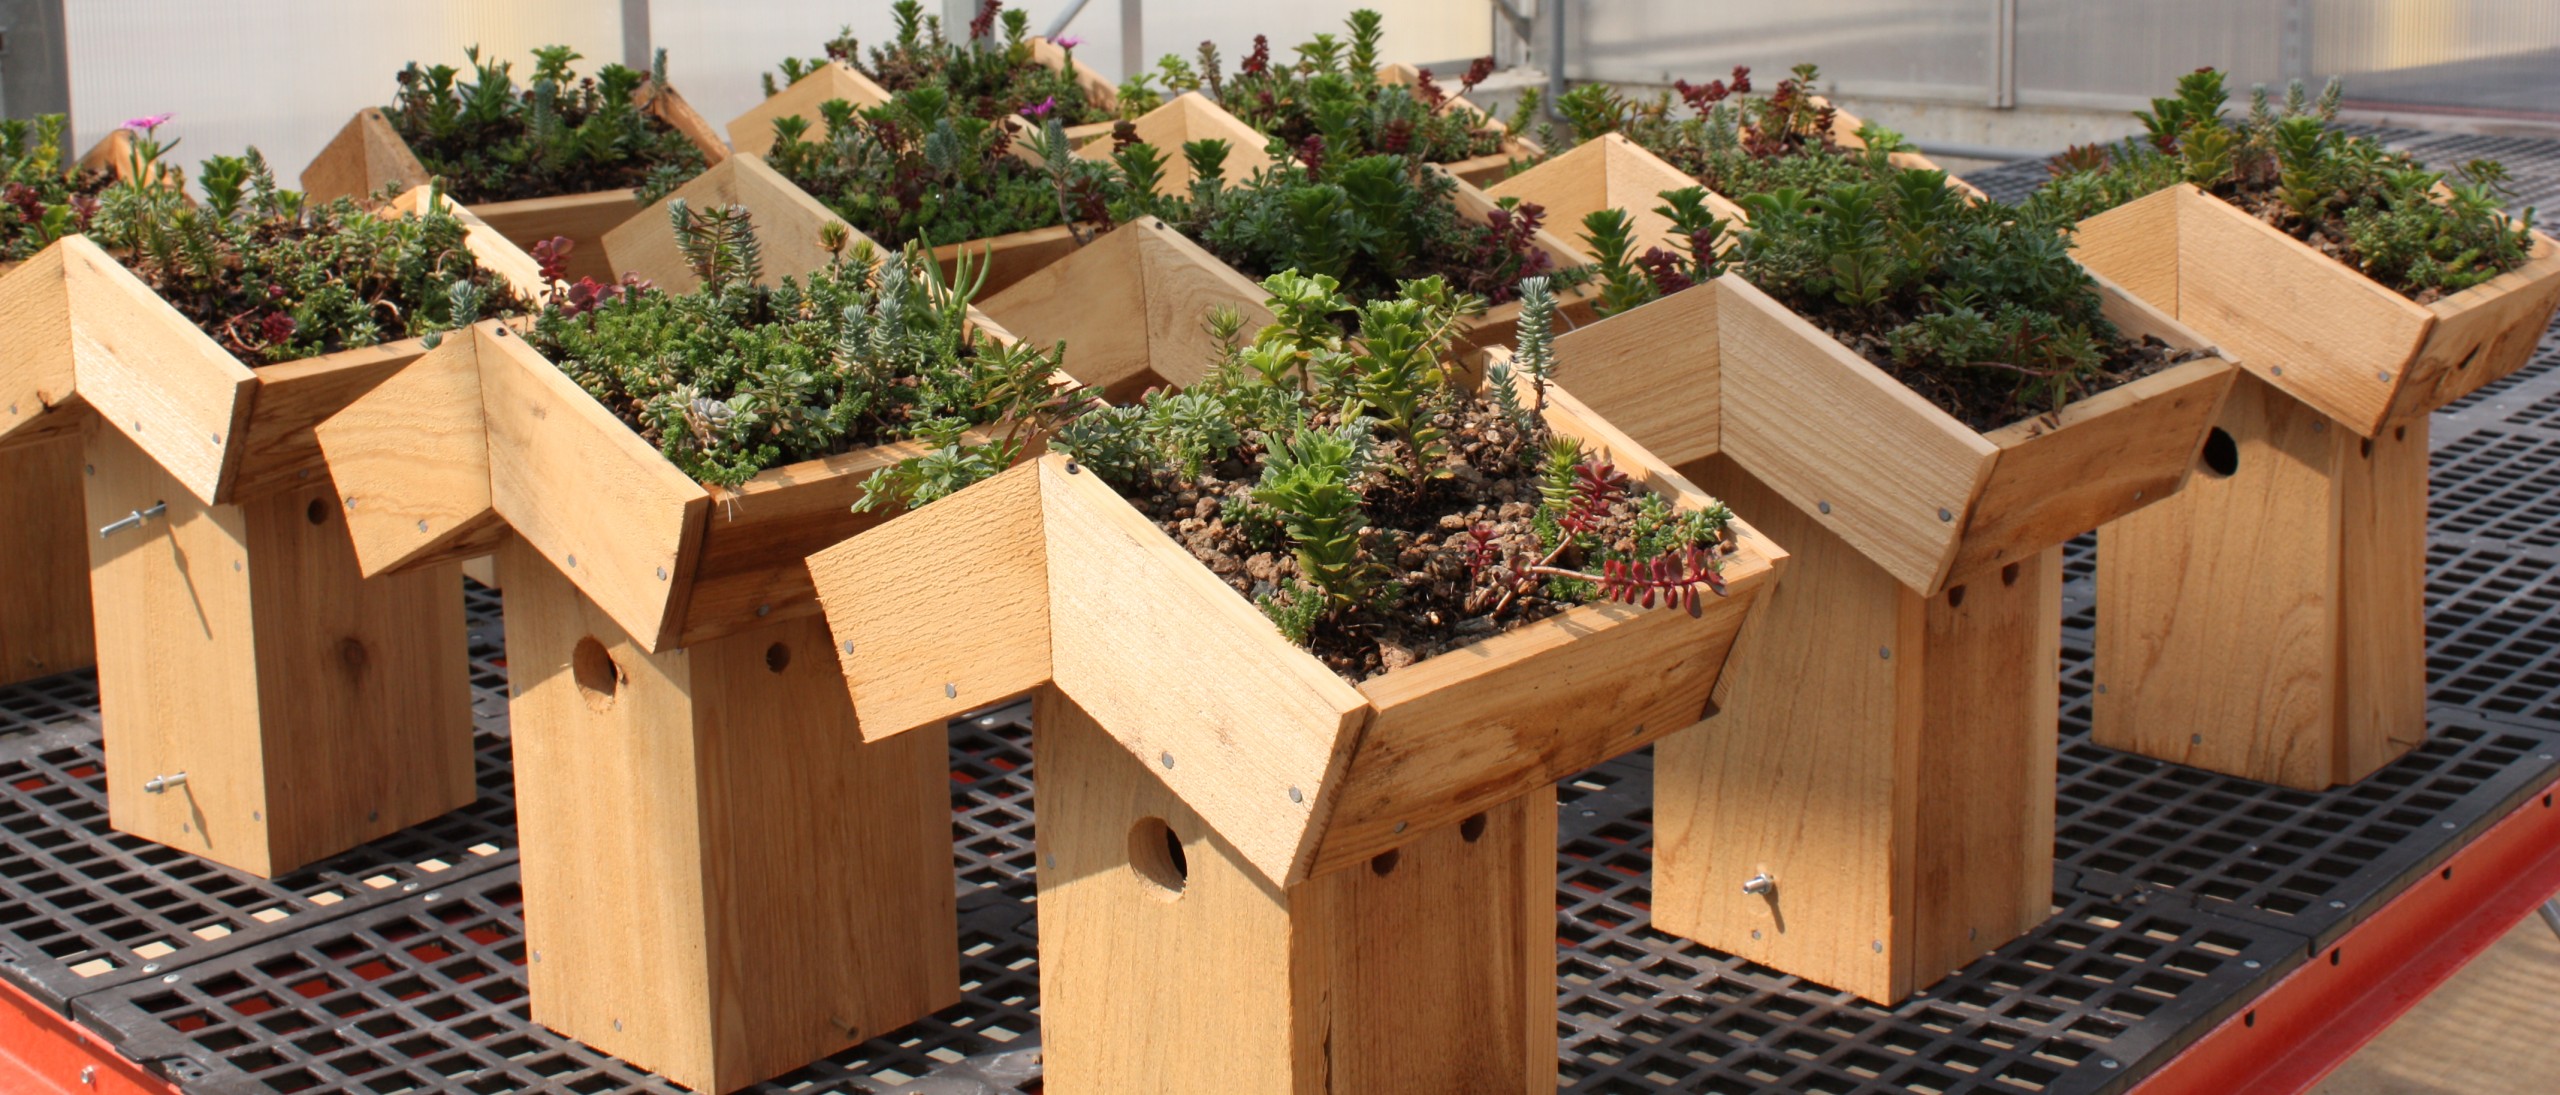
[2550,911]
[1555,54]
[1065,17]
[2004,54]
[636,50]
[1133,38]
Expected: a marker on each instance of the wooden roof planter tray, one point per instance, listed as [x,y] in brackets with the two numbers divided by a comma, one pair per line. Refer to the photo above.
[1622,162]
[723,880]
[986,75]
[441,128]
[43,525]
[1914,642]
[1230,796]
[1380,106]
[268,707]
[2273,616]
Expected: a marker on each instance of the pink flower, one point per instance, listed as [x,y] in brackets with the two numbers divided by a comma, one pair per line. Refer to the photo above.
[1069,42]
[1041,109]
[149,122]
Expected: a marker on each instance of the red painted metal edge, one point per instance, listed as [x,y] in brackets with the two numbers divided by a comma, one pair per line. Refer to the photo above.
[42,1053]
[2322,1012]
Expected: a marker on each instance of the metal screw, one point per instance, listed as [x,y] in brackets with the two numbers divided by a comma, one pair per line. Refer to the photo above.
[2250,963]
[2275,370]
[1823,506]
[2102,690]
[170,978]
[257,815]
[2448,825]
[303,474]
[617,1024]
[1167,759]
[573,560]
[434,895]
[422,524]
[92,468]
[951,691]
[133,520]
[1755,933]
[217,439]
[373,815]
[537,956]
[1071,467]
[848,646]
[662,574]
[2384,377]
[88,1073]
[2195,739]
[1296,795]
[2337,904]
[1944,514]
[185,827]
[1053,861]
[1878,945]
[764,610]
[2137,496]
[151,967]
[1885,652]
[2320,426]
[1400,826]
[2109,1062]
[1760,885]
[161,784]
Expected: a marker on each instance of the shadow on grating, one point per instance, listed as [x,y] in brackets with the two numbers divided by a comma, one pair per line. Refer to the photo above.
[88,908]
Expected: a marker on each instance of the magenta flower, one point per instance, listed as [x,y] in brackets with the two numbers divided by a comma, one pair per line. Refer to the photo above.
[149,122]
[1069,42]
[1041,109]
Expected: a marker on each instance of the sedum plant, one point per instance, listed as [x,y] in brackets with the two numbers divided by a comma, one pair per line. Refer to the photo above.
[1331,93]
[490,140]
[1977,306]
[1628,279]
[1330,470]
[2375,210]
[981,76]
[275,278]
[1369,223]
[43,197]
[916,169]
[738,377]
[1734,142]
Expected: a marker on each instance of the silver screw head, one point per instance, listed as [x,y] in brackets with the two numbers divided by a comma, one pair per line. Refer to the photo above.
[1400,826]
[422,524]
[1945,514]
[951,691]
[764,610]
[2249,963]
[1296,795]
[1760,885]
[1166,760]
[1823,506]
[573,560]
[1877,945]
[848,646]
[1885,652]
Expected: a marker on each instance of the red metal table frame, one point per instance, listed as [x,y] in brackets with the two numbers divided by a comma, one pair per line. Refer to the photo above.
[2322,1012]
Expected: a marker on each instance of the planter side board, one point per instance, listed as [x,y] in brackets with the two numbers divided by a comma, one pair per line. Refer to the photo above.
[1098,89]
[366,154]
[1610,172]
[1144,269]
[751,133]
[1188,117]
[1835,436]
[2482,333]
[787,222]
[153,375]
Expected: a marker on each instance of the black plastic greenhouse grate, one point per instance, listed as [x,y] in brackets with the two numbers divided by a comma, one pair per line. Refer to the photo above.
[87,908]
